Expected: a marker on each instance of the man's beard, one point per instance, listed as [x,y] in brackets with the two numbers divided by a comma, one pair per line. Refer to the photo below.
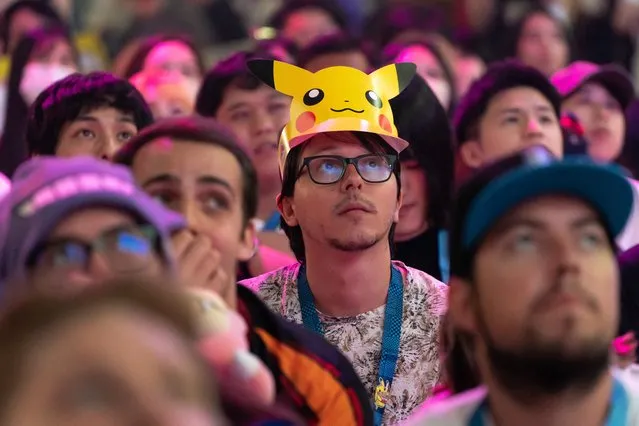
[355,244]
[534,371]
[360,242]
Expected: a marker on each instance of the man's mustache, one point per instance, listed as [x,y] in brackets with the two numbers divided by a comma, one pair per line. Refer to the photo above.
[572,289]
[355,200]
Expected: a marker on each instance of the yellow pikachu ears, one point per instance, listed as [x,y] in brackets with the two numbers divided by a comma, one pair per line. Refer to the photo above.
[289,79]
[281,76]
[392,79]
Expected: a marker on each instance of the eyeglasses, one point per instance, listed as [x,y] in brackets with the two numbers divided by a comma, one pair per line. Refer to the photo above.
[328,169]
[126,249]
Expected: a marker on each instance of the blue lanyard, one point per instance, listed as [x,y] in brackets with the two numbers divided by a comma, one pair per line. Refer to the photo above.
[272,223]
[444,261]
[390,336]
[617,416]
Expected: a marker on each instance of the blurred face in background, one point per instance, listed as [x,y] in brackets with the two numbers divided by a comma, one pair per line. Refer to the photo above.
[306,25]
[542,44]
[414,210]
[257,116]
[515,119]
[50,61]
[167,95]
[22,22]
[55,52]
[430,69]
[145,373]
[173,57]
[602,118]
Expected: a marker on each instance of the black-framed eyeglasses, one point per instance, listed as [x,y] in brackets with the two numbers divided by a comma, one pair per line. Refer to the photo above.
[328,169]
[126,249]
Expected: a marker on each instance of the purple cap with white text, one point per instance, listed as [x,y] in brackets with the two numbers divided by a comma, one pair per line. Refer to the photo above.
[47,189]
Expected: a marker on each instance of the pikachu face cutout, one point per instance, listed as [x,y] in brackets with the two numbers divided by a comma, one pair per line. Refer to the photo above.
[336,99]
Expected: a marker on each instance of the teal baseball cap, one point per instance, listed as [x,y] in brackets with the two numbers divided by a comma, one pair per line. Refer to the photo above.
[501,186]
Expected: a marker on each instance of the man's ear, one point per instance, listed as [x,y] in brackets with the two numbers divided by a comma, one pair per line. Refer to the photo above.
[472,154]
[461,308]
[287,210]
[249,244]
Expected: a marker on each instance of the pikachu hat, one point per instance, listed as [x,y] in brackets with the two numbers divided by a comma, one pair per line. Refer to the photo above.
[335,99]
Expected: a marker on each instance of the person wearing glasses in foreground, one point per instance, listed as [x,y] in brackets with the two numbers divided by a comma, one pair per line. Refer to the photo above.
[539,232]
[80,221]
[340,201]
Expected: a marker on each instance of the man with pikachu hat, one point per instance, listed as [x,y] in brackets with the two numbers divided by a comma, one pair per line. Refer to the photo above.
[340,198]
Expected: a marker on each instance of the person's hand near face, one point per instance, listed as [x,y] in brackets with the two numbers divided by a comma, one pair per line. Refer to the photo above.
[203,181]
[199,264]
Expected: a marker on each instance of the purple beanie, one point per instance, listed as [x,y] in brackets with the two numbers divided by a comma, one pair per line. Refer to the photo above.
[47,189]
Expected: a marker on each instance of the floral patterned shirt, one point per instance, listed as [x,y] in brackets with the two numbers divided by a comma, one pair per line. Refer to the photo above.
[360,337]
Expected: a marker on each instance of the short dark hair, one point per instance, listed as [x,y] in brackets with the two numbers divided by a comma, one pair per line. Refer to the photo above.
[148,44]
[230,71]
[370,141]
[66,99]
[278,20]
[207,131]
[334,44]
[499,77]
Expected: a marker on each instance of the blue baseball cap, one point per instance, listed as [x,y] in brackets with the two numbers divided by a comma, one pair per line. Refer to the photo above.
[47,189]
[501,186]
